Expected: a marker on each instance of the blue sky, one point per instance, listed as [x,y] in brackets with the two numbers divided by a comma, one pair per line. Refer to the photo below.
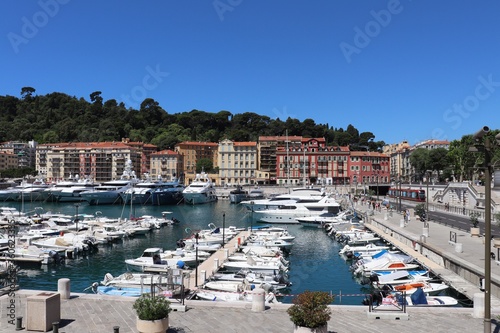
[404,70]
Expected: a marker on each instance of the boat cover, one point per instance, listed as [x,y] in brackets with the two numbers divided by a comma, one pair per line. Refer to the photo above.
[418,297]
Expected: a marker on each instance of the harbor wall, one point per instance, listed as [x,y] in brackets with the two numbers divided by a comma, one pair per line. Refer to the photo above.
[439,261]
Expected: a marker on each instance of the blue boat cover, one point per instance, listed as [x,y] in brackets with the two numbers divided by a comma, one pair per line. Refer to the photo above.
[418,297]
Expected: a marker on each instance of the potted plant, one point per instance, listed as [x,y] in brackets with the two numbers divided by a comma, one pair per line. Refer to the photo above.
[420,212]
[152,313]
[310,311]
[474,219]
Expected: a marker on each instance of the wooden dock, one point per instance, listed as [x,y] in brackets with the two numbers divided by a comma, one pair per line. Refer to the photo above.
[210,266]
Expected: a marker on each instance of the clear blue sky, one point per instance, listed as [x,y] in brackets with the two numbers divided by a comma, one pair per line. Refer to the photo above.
[404,70]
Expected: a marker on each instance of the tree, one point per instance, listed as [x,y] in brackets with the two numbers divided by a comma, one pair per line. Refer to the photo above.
[204,164]
[461,158]
[27,92]
[420,161]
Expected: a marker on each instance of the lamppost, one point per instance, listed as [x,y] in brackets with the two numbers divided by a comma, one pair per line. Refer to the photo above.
[427,196]
[399,195]
[76,216]
[196,236]
[223,228]
[485,147]
[251,216]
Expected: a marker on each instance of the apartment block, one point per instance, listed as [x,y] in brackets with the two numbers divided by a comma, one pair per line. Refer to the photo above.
[237,163]
[167,164]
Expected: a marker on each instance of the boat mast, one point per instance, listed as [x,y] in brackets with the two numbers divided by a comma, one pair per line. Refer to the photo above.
[304,166]
[287,161]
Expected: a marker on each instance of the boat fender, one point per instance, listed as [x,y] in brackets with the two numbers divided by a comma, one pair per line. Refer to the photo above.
[252,286]
[180,264]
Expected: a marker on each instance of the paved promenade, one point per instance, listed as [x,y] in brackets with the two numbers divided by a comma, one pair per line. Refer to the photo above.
[94,313]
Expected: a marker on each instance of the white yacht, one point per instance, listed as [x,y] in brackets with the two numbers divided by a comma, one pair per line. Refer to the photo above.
[200,191]
[297,195]
[109,192]
[69,190]
[289,213]
[34,191]
[154,193]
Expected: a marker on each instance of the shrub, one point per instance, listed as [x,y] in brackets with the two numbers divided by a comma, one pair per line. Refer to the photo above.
[150,307]
[474,219]
[310,309]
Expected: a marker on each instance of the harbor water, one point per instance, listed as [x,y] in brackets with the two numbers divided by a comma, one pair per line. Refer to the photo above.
[314,260]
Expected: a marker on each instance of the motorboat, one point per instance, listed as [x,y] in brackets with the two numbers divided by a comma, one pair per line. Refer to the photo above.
[319,221]
[153,193]
[109,192]
[278,280]
[238,195]
[429,288]
[297,195]
[200,191]
[399,277]
[356,251]
[289,213]
[256,194]
[29,254]
[154,258]
[35,191]
[129,279]
[222,296]
[69,190]
[250,264]
[420,299]
[384,263]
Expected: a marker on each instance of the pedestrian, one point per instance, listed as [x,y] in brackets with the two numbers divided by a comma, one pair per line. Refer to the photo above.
[405,217]
[408,215]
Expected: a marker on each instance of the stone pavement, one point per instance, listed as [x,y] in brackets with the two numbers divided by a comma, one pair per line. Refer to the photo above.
[100,314]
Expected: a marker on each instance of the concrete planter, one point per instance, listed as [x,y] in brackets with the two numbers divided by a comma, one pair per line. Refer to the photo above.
[496,242]
[152,326]
[474,232]
[321,329]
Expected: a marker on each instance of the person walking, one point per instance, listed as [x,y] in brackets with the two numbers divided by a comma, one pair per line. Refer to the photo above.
[405,217]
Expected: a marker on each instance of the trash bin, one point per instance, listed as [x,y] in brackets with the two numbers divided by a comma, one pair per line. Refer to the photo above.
[42,310]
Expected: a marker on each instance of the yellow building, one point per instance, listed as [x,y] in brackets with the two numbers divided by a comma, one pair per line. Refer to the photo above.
[192,152]
[237,163]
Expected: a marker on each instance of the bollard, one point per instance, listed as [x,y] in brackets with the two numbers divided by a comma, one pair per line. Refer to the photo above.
[19,323]
[216,264]
[258,300]
[226,253]
[55,327]
[386,216]
[203,276]
[401,223]
[458,247]
[478,311]
[116,329]
[63,288]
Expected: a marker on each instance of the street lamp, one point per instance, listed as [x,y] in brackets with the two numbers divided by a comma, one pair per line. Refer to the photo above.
[76,216]
[196,236]
[223,228]
[427,196]
[485,147]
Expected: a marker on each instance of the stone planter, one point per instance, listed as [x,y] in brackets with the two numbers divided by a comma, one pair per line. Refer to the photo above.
[496,242]
[474,232]
[321,329]
[152,326]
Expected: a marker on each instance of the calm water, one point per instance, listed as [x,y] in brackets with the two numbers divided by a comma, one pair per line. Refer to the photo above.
[314,260]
